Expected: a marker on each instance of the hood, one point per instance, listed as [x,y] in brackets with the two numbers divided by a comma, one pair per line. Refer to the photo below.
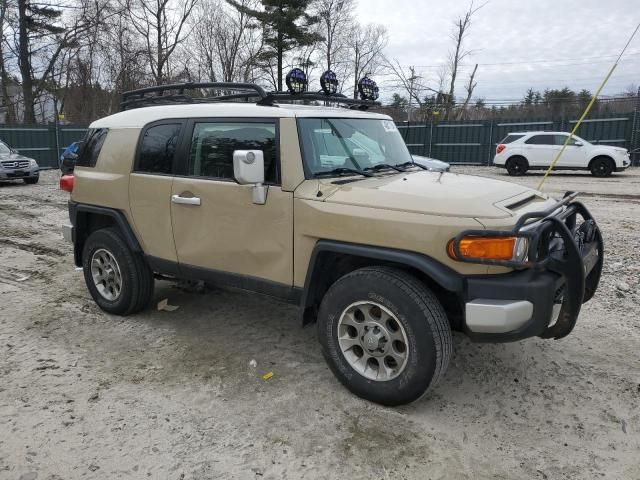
[13,156]
[445,194]
[612,148]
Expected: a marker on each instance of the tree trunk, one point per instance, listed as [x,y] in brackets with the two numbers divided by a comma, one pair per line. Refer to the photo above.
[279,53]
[25,64]
[159,46]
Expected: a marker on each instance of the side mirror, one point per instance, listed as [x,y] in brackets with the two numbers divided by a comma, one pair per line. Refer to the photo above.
[248,169]
[578,144]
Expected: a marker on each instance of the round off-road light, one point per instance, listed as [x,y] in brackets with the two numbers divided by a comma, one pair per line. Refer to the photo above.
[250,158]
[296,81]
[368,89]
[329,82]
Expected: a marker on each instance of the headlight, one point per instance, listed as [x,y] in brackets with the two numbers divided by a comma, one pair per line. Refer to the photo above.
[33,163]
[491,248]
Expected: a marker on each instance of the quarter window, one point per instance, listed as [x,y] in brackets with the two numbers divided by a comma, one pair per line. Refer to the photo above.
[158,148]
[511,138]
[90,148]
[213,144]
[541,140]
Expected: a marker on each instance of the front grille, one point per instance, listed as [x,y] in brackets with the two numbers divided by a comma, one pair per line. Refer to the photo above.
[12,164]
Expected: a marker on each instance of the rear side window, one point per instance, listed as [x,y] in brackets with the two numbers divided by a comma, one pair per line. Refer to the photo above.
[90,149]
[511,138]
[158,148]
[541,140]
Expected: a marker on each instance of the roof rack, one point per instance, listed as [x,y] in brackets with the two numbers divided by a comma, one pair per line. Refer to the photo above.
[179,93]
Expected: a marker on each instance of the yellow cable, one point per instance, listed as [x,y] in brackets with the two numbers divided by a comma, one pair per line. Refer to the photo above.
[586,112]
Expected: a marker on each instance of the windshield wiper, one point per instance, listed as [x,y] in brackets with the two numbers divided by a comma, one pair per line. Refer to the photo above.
[382,166]
[341,170]
[407,164]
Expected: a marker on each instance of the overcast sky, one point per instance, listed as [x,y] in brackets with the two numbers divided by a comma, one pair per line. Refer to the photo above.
[550,43]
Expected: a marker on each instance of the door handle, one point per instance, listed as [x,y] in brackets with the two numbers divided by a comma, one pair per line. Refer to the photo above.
[185,200]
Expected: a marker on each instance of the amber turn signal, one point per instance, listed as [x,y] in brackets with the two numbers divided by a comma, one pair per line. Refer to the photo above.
[490,248]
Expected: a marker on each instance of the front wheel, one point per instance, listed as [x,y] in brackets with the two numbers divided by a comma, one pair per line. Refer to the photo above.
[601,167]
[384,335]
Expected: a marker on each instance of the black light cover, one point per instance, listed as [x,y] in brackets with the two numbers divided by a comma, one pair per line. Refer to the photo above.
[296,81]
[368,89]
[329,82]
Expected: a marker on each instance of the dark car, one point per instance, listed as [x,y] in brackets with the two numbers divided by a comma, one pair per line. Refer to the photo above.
[14,166]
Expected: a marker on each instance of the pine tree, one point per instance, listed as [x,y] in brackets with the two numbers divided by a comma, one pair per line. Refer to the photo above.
[286,25]
[35,20]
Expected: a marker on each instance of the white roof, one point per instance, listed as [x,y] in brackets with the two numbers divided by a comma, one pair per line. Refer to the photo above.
[139,117]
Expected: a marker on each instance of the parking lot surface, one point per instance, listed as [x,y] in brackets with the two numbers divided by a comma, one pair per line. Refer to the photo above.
[174,394]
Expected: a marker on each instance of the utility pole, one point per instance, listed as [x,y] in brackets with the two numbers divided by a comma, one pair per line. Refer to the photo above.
[412,79]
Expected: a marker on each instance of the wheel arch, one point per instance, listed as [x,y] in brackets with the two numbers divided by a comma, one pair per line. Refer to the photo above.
[86,219]
[331,260]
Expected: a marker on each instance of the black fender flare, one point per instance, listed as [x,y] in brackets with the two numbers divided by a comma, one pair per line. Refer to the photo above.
[79,213]
[444,276]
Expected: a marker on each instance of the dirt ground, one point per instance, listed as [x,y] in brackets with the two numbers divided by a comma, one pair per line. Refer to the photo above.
[172,395]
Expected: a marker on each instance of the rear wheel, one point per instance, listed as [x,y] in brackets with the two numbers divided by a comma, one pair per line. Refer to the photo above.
[517,166]
[601,167]
[384,335]
[118,279]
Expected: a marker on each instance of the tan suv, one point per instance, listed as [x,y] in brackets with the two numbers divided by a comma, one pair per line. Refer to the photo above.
[324,208]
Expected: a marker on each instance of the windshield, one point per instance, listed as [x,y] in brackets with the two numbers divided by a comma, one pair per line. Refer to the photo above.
[4,148]
[333,143]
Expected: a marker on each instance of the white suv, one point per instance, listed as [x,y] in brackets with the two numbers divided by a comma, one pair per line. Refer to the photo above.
[523,151]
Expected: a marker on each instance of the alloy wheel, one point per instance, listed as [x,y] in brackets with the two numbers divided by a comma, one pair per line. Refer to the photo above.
[373,341]
[106,275]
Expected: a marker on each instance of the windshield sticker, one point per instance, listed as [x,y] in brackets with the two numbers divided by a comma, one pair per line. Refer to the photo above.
[389,126]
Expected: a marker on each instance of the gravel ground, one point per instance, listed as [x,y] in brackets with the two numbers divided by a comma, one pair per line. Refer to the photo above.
[172,395]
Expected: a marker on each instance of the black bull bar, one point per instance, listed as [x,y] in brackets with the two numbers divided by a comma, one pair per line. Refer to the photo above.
[556,243]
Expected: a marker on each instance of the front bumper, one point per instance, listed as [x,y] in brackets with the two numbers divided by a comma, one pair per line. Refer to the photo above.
[543,295]
[6,174]
[626,163]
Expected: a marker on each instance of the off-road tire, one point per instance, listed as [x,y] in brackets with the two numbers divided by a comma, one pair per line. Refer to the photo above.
[517,166]
[137,277]
[31,180]
[601,167]
[421,316]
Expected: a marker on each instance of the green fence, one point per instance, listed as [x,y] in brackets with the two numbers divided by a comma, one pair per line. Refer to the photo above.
[471,142]
[43,142]
[474,142]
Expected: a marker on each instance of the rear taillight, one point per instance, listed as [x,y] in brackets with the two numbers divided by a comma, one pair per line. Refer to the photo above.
[500,148]
[66,183]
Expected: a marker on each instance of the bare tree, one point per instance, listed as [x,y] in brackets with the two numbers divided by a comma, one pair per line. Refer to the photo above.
[412,83]
[336,23]
[225,40]
[459,52]
[470,87]
[161,24]
[365,50]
